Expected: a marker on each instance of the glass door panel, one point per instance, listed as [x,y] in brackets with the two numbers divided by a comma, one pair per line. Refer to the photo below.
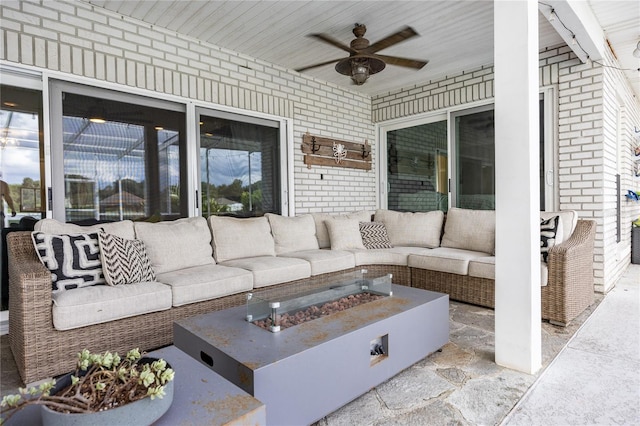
[417,168]
[21,166]
[474,144]
[122,160]
[240,165]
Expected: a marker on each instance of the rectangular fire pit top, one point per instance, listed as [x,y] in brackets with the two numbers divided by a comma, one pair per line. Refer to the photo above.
[275,312]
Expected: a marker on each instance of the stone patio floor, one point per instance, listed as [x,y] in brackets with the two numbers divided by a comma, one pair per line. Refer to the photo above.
[461,385]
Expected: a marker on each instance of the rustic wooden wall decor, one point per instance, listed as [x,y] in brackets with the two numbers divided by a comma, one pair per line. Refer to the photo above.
[334,152]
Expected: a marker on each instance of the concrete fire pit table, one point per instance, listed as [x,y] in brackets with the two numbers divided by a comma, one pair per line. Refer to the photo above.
[307,371]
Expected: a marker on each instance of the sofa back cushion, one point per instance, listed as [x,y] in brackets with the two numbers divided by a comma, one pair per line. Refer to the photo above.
[470,230]
[240,238]
[293,233]
[322,234]
[123,228]
[176,244]
[412,229]
[566,225]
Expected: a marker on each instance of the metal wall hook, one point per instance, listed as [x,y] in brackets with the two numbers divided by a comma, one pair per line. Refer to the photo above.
[365,151]
[314,146]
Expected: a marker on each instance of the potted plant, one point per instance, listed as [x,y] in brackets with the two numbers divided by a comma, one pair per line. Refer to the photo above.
[104,389]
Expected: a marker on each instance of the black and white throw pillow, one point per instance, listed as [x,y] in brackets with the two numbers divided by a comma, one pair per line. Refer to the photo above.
[374,235]
[548,231]
[124,261]
[74,260]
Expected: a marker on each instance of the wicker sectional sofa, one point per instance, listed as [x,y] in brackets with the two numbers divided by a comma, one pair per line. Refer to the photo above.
[204,265]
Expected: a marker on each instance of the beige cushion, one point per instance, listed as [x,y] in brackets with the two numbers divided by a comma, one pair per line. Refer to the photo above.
[206,282]
[566,225]
[104,303]
[483,267]
[293,233]
[239,238]
[123,228]
[544,274]
[270,270]
[453,261]
[470,230]
[393,256]
[344,234]
[322,234]
[176,244]
[412,229]
[324,261]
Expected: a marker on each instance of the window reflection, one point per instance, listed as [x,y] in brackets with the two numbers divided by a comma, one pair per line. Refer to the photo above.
[122,160]
[240,167]
[20,159]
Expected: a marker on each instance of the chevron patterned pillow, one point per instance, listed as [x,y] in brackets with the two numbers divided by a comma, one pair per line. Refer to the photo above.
[124,261]
[374,235]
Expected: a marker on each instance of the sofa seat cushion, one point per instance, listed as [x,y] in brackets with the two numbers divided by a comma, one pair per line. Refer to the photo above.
[235,238]
[324,261]
[176,244]
[393,256]
[420,229]
[104,303]
[205,282]
[485,267]
[473,230]
[443,259]
[270,270]
[544,274]
[123,228]
[292,234]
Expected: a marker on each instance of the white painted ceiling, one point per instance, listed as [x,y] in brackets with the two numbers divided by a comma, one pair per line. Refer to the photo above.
[454,35]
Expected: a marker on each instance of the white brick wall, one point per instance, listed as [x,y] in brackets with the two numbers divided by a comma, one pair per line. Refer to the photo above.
[80,39]
[587,135]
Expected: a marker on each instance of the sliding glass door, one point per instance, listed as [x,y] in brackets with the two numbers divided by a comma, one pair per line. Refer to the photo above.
[473,174]
[240,164]
[121,156]
[449,160]
[417,169]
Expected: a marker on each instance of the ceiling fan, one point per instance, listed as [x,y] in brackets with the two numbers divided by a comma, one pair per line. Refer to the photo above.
[363,60]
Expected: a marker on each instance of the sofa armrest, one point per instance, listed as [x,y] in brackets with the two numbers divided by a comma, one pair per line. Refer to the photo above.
[29,296]
[570,286]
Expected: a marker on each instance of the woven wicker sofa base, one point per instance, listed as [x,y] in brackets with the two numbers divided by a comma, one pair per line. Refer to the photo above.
[463,288]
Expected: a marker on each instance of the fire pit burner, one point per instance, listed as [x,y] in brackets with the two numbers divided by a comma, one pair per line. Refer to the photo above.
[275,313]
[289,319]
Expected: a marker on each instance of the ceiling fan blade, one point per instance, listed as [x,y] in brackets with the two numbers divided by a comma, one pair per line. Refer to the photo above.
[317,65]
[332,41]
[403,62]
[403,34]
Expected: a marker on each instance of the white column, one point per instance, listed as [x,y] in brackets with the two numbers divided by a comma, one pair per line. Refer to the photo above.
[517,321]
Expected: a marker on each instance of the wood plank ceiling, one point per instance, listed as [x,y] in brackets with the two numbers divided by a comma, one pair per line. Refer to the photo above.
[454,35]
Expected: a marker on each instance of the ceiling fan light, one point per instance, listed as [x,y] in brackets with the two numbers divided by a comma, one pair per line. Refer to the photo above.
[636,52]
[359,71]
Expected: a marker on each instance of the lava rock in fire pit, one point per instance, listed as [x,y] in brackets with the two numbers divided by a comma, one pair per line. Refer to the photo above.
[289,319]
